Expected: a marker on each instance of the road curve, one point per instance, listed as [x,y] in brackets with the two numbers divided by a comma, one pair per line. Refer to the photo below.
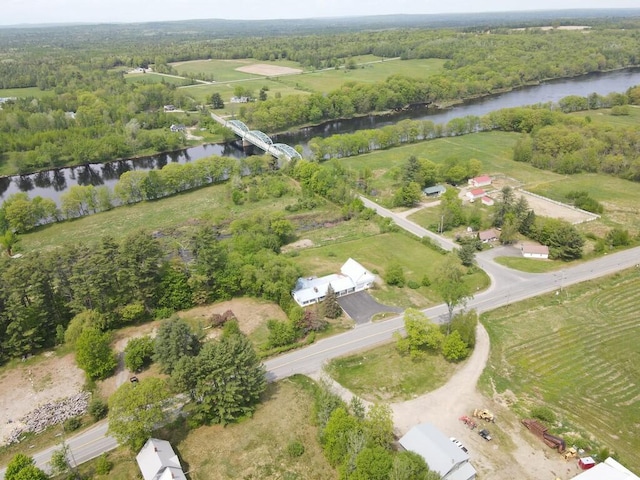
[508,286]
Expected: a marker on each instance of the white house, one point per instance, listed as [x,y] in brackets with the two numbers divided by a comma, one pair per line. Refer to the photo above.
[530,250]
[353,277]
[158,461]
[607,470]
[440,453]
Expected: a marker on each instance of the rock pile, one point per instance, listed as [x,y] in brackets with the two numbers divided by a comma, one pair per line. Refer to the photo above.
[51,413]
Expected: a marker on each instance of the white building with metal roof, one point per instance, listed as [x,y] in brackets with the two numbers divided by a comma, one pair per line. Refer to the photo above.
[158,461]
[607,470]
[440,453]
[353,277]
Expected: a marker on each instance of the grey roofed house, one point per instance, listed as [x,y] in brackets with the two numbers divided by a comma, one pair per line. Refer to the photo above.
[158,461]
[440,453]
[434,191]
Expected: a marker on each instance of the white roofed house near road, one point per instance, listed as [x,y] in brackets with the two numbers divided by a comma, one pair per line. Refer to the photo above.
[158,461]
[353,277]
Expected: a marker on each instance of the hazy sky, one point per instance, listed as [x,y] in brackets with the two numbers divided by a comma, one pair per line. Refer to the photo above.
[52,11]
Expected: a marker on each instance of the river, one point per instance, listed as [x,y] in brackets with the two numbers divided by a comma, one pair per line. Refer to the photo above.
[52,183]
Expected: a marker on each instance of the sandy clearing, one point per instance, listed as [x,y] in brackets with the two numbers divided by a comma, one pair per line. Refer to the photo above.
[33,383]
[268,70]
[547,208]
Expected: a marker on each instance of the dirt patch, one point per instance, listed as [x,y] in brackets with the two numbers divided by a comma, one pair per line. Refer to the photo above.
[28,385]
[268,70]
[250,312]
[548,208]
[300,244]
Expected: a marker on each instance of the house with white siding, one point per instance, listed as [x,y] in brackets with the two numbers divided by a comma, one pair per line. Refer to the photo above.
[353,277]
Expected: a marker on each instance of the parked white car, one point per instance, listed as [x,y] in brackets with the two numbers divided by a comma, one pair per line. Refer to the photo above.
[459,444]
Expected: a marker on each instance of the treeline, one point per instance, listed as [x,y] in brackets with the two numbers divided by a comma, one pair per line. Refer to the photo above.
[19,213]
[136,278]
[99,119]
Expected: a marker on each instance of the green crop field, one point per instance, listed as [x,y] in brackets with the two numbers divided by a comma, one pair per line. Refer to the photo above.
[332,79]
[576,353]
[377,253]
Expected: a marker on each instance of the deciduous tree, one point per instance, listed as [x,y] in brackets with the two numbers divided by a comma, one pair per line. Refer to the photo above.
[450,285]
[136,409]
[94,354]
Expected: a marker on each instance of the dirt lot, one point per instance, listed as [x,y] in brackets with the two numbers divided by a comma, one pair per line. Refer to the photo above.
[547,208]
[32,383]
[268,70]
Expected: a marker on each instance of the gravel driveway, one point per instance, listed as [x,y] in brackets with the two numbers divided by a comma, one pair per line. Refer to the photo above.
[361,307]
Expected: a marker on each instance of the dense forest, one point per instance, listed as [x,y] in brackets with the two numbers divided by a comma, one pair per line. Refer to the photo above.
[87,112]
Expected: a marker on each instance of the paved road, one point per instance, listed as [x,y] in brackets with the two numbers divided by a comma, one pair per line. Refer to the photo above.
[507,286]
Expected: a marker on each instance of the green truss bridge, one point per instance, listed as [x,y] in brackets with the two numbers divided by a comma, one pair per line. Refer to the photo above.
[259,139]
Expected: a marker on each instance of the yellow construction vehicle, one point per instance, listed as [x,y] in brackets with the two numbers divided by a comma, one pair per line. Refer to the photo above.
[570,453]
[484,414]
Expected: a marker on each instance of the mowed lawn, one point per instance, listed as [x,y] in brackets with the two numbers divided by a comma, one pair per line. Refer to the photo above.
[382,374]
[377,253]
[578,354]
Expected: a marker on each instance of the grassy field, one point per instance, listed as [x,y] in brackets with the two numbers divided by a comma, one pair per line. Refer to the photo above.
[377,253]
[253,449]
[326,80]
[202,93]
[530,264]
[181,210]
[620,198]
[155,78]
[382,374]
[604,116]
[577,354]
[23,92]
[493,149]
[225,70]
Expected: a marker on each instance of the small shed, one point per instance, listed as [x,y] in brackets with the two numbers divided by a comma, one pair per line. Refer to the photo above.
[586,463]
[434,191]
[488,201]
[535,251]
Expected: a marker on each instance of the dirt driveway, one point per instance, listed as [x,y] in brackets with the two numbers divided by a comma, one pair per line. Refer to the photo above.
[513,452]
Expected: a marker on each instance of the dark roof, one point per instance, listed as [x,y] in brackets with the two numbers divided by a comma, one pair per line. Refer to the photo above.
[433,190]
